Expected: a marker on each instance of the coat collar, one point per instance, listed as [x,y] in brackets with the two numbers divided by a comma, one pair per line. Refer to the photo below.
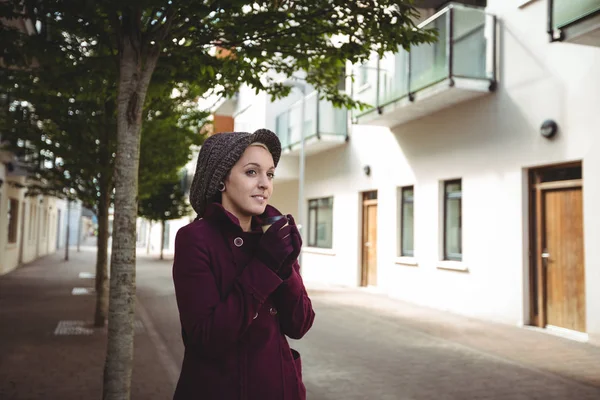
[216,212]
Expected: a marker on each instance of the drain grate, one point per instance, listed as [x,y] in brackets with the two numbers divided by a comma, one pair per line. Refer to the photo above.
[87,275]
[80,291]
[71,328]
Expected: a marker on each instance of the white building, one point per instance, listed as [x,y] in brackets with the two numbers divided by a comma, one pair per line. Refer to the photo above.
[30,226]
[452,192]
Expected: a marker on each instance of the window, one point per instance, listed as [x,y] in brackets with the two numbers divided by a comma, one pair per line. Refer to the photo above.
[320,222]
[13,220]
[406,212]
[453,220]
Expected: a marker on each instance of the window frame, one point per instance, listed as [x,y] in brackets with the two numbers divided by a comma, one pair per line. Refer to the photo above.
[401,251]
[313,241]
[13,220]
[452,256]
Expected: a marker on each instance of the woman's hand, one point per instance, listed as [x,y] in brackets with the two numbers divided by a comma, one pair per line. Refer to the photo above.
[277,244]
[296,240]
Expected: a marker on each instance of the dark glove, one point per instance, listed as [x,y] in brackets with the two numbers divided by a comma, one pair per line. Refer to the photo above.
[276,244]
[286,267]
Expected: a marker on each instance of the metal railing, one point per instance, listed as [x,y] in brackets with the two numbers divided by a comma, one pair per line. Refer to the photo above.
[466,48]
[321,119]
[567,12]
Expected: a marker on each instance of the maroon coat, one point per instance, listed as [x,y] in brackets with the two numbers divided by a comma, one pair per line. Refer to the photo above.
[235,312]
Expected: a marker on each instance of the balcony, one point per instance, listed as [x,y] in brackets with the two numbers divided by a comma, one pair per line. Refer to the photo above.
[574,21]
[460,66]
[324,126]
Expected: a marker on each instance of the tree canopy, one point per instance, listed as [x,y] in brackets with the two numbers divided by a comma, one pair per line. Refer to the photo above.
[218,45]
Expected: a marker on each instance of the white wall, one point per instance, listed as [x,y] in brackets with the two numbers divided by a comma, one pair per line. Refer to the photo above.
[40,229]
[250,110]
[61,217]
[285,196]
[10,251]
[489,143]
[37,236]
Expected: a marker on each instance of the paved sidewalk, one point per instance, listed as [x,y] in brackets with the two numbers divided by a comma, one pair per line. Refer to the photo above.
[363,346]
[369,346]
[530,347]
[37,364]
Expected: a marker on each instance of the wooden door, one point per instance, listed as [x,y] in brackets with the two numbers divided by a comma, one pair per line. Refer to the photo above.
[369,240]
[557,274]
[562,258]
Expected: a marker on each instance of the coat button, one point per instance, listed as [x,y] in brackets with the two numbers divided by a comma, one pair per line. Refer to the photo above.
[273,311]
[238,241]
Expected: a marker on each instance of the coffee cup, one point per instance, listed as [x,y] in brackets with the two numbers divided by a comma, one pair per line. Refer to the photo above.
[267,222]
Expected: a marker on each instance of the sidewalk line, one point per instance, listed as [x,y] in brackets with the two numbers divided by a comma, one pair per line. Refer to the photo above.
[165,356]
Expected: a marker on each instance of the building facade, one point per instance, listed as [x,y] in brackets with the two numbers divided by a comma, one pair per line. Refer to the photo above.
[472,183]
[31,226]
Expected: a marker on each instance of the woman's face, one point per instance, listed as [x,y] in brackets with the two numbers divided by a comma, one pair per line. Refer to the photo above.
[249,184]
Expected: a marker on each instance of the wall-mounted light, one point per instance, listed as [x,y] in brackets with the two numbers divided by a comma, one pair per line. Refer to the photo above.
[367,170]
[548,129]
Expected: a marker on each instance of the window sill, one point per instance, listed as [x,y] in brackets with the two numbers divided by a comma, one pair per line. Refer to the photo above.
[453,266]
[318,250]
[11,246]
[410,261]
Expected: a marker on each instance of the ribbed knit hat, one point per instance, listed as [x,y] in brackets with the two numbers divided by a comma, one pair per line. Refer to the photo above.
[218,155]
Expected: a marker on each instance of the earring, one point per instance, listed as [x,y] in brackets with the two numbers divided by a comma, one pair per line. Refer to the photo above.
[221,187]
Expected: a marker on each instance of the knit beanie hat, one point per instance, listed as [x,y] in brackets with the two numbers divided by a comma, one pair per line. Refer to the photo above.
[217,156]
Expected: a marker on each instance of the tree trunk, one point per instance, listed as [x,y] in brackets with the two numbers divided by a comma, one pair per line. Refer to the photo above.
[134,78]
[102,254]
[162,237]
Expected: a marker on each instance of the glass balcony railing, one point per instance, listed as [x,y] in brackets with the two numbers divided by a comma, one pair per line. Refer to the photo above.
[320,118]
[565,12]
[465,49]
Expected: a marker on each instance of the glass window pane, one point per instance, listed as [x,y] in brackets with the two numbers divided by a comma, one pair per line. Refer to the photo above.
[407,230]
[407,223]
[320,222]
[470,42]
[453,221]
[325,223]
[429,63]
[312,226]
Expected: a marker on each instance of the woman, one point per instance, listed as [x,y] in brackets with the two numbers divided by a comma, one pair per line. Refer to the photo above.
[239,291]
